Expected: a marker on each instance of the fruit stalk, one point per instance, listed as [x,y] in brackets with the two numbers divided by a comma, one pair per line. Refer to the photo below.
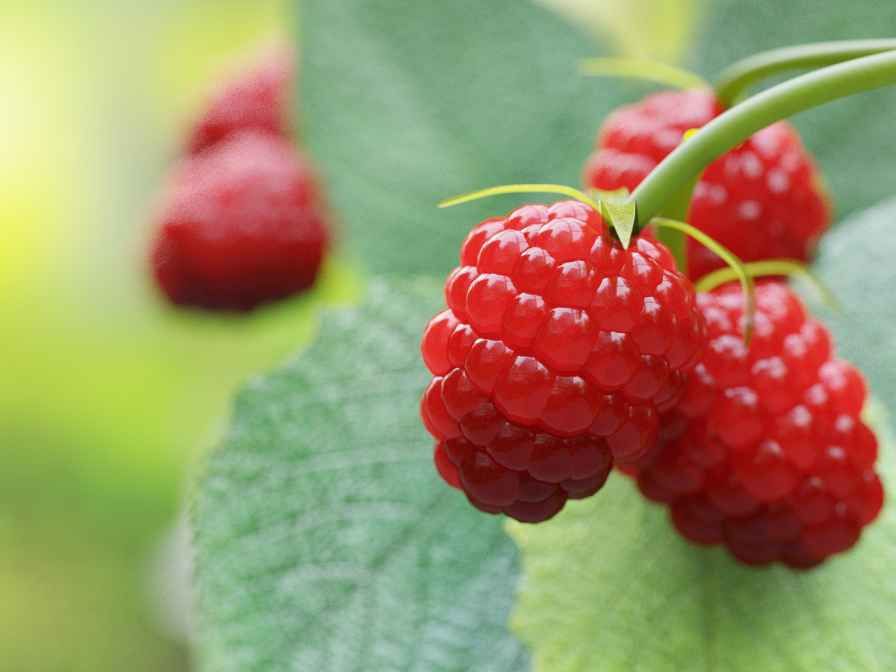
[740,76]
[737,124]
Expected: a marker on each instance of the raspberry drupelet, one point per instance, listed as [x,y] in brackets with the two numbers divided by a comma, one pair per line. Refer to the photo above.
[255,99]
[770,457]
[243,224]
[557,354]
[762,200]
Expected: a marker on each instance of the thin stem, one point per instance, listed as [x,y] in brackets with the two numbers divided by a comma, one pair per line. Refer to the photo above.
[521,189]
[766,268]
[734,263]
[738,77]
[644,69]
[737,124]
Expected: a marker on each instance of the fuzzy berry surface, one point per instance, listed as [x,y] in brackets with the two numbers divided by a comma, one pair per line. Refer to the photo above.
[556,356]
[255,99]
[768,454]
[242,224]
[762,200]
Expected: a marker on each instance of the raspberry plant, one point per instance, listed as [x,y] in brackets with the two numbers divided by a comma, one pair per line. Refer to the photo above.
[366,562]
[503,418]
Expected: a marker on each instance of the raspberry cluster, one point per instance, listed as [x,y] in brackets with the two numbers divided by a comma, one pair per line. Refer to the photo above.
[243,223]
[766,452]
[762,200]
[556,356]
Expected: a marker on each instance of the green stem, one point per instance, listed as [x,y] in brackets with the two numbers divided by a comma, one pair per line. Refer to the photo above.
[734,263]
[737,124]
[677,209]
[740,76]
[521,189]
[766,268]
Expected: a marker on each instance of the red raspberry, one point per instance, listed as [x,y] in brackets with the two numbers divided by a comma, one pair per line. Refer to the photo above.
[244,224]
[771,457]
[556,354]
[761,200]
[256,99]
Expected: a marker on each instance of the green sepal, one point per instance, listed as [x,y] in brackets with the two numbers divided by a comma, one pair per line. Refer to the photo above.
[621,215]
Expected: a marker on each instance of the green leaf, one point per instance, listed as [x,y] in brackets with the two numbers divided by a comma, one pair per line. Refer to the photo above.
[406,103]
[325,540]
[609,586]
[856,264]
[852,139]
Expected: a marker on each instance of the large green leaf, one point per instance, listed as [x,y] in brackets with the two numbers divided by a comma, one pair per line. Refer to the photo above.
[609,586]
[407,103]
[852,139]
[324,539]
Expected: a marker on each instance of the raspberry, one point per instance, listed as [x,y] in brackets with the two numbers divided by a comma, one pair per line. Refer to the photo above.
[762,200]
[770,456]
[555,357]
[243,225]
[255,100]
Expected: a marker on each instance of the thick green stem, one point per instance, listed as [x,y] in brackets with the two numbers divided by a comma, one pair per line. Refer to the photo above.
[737,124]
[738,77]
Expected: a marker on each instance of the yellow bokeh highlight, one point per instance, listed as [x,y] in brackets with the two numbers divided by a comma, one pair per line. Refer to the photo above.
[38,150]
[649,29]
[199,45]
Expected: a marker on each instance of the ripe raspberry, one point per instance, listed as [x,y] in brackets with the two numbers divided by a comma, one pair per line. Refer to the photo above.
[244,224]
[257,99]
[761,200]
[555,357]
[769,455]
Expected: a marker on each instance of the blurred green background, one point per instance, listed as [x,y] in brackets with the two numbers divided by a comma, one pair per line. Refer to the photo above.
[107,397]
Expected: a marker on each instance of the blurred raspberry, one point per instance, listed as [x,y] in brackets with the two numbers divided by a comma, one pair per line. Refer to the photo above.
[243,224]
[256,99]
